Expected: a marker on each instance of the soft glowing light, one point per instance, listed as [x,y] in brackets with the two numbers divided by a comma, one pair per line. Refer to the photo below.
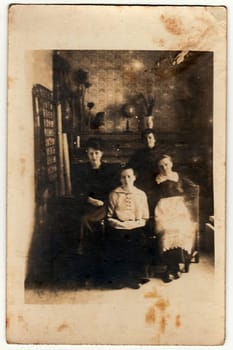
[137,65]
[134,66]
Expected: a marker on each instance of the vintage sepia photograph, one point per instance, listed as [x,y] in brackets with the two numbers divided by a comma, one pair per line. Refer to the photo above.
[120,161]
[123,169]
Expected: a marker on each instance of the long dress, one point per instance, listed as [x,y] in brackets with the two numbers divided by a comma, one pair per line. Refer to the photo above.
[127,215]
[173,222]
[95,183]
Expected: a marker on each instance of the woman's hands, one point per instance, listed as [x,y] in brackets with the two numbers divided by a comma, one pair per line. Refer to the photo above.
[127,225]
[95,202]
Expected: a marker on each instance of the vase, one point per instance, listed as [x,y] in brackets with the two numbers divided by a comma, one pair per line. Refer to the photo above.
[148,122]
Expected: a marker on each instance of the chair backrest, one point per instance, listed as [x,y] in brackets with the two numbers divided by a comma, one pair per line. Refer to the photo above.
[192,202]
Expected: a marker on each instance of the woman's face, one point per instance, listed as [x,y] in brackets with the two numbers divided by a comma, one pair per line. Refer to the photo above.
[150,140]
[127,178]
[165,165]
[94,156]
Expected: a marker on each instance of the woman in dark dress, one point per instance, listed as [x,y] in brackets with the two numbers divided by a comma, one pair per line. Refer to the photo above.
[93,186]
[144,162]
[92,183]
[173,222]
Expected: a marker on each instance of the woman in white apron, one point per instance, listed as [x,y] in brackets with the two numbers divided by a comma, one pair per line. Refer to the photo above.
[173,223]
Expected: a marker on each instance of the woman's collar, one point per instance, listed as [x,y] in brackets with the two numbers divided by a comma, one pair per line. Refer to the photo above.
[173,176]
[120,189]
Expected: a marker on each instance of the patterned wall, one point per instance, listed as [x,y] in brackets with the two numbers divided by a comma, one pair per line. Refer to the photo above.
[119,77]
[181,84]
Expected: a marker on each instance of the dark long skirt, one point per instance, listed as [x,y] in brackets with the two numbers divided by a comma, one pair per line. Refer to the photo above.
[125,256]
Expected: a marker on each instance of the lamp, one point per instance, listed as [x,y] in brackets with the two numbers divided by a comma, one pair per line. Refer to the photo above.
[128,111]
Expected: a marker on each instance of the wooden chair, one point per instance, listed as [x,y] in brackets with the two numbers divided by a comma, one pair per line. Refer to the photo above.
[193,206]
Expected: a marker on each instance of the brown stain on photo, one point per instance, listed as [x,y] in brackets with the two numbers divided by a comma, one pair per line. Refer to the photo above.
[162,304]
[150,317]
[10,82]
[163,324]
[62,327]
[7,322]
[178,321]
[172,24]
[152,294]
[203,29]
[23,167]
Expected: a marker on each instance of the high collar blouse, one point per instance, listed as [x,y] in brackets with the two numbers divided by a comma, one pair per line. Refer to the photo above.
[127,206]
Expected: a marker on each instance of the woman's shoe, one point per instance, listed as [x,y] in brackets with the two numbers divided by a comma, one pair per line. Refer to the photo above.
[169,277]
[182,267]
[177,275]
[133,285]
[144,280]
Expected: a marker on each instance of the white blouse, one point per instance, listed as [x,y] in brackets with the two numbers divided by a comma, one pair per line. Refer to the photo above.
[127,210]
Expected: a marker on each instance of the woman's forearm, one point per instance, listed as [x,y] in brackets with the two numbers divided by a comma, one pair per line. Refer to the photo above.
[95,202]
[127,225]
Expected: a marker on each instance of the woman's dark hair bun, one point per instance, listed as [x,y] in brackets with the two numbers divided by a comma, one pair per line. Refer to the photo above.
[96,143]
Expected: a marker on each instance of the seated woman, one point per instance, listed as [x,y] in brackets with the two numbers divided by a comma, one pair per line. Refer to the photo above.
[92,182]
[173,223]
[127,215]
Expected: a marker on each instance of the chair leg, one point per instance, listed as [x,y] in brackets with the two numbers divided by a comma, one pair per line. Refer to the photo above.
[196,258]
[186,261]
